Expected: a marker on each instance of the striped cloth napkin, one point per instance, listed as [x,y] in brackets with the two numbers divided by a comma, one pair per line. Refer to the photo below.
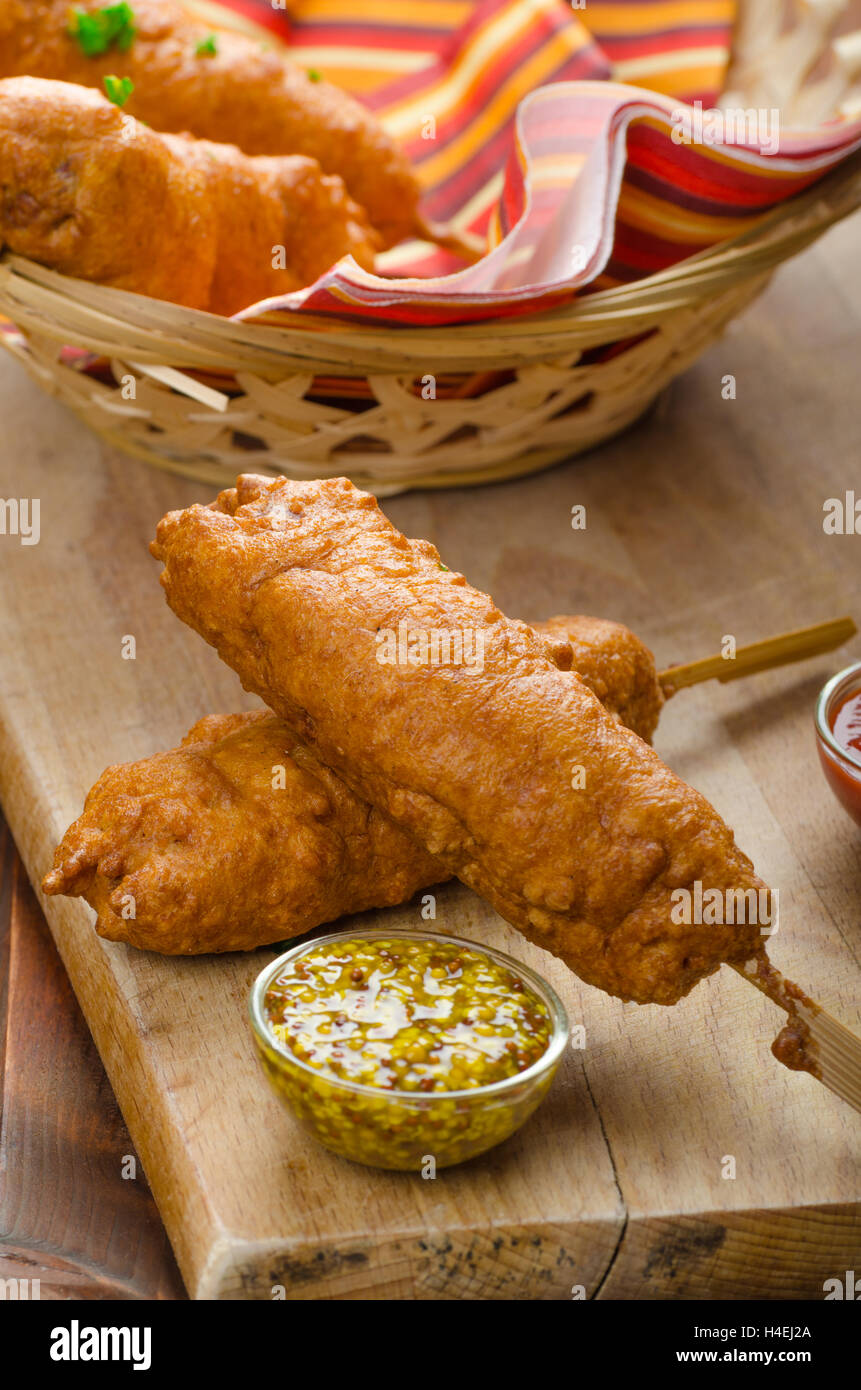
[551,129]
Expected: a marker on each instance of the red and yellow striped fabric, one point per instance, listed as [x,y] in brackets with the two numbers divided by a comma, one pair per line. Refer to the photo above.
[553,128]
[677,47]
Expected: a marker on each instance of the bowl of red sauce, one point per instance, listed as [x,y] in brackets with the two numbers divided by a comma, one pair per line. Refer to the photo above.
[838,737]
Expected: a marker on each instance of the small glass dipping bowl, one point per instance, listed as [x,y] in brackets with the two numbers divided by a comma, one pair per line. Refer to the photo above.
[404,1129]
[842,772]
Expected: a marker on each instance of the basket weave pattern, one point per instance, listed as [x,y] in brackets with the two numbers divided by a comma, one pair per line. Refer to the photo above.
[210,398]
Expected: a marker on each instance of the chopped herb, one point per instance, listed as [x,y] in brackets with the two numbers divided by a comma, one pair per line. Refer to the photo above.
[207,48]
[442,566]
[119,89]
[314,75]
[96,32]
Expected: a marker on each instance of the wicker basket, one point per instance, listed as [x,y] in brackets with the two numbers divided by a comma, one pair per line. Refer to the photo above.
[214,398]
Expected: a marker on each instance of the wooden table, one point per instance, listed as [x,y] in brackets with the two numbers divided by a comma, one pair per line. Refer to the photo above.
[705,519]
[67,1215]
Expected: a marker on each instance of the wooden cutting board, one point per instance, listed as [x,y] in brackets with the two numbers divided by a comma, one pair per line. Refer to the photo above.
[706,520]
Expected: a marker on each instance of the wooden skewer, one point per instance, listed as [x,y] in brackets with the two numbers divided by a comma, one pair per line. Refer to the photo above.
[834,1051]
[760,656]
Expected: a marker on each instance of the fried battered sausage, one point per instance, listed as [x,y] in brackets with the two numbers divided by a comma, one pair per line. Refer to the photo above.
[242,94]
[615,664]
[215,856]
[88,191]
[78,197]
[508,769]
[213,847]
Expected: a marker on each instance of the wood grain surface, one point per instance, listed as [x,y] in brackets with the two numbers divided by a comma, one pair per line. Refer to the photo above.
[68,1216]
[704,521]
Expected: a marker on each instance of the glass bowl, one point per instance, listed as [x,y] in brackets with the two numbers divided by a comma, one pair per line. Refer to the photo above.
[405,1129]
[842,773]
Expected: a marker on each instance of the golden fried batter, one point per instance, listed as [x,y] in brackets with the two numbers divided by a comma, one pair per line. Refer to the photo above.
[163,832]
[615,664]
[509,770]
[90,192]
[242,94]
[212,847]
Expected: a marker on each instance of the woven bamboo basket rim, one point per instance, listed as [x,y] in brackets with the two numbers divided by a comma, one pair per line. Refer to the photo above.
[118,324]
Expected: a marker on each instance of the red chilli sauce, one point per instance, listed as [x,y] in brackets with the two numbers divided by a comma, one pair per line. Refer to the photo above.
[794,1046]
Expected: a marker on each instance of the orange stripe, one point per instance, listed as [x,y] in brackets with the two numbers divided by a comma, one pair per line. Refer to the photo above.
[452,88]
[683,82]
[443,14]
[494,115]
[645,212]
[650,19]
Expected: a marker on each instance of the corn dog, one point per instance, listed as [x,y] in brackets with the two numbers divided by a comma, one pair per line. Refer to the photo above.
[90,192]
[237,838]
[210,848]
[509,770]
[225,88]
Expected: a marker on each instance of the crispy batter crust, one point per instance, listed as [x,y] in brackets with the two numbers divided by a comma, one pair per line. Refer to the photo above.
[208,855]
[90,192]
[243,94]
[292,582]
[615,664]
[205,845]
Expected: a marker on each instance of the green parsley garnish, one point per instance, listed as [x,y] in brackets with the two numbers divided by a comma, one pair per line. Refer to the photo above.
[314,75]
[119,89]
[442,566]
[207,48]
[96,32]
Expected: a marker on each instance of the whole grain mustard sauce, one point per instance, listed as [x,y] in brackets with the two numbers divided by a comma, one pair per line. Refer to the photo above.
[403,1015]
